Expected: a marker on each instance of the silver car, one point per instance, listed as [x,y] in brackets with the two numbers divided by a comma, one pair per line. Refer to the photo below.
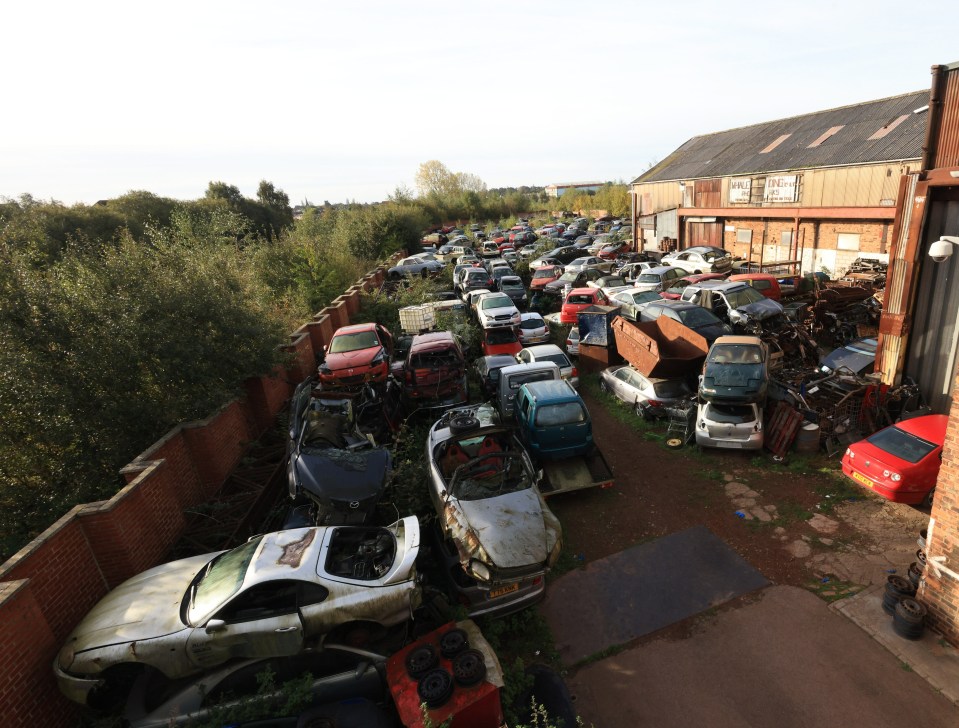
[552,353]
[632,300]
[338,672]
[572,341]
[700,259]
[533,329]
[266,598]
[581,264]
[492,518]
[647,395]
[659,278]
[495,310]
[733,426]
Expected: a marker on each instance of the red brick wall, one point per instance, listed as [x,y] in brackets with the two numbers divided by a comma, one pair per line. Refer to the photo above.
[50,584]
[941,594]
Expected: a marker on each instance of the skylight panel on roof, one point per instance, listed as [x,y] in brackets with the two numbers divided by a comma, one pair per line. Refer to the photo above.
[880,133]
[776,143]
[825,135]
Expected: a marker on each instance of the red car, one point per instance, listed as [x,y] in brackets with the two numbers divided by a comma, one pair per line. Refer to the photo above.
[900,462]
[609,252]
[357,354]
[578,299]
[676,288]
[544,275]
[501,341]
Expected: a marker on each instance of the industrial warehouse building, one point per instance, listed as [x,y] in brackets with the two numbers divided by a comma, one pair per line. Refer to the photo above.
[817,189]
[878,179]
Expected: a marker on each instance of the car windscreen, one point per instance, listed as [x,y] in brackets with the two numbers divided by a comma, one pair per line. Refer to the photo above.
[902,444]
[513,283]
[711,255]
[564,413]
[532,323]
[353,342]
[648,278]
[519,380]
[571,276]
[559,359]
[735,354]
[496,302]
[221,579]
[549,273]
[501,336]
[693,317]
[734,414]
[744,296]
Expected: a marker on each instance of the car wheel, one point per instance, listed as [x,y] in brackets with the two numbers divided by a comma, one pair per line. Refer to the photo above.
[640,410]
[927,501]
[469,668]
[435,688]
[463,423]
[420,661]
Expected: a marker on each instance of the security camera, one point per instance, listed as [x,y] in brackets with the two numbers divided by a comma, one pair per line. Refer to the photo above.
[942,248]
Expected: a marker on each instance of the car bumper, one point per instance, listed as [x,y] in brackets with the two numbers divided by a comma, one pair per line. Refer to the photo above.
[75,688]
[753,442]
[500,324]
[908,497]
[360,375]
[540,339]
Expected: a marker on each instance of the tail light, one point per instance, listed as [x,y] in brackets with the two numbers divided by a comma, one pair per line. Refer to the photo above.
[575,372]
[654,403]
[537,581]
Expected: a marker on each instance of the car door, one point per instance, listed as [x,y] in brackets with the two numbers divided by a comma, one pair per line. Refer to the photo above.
[261,621]
[621,383]
[639,385]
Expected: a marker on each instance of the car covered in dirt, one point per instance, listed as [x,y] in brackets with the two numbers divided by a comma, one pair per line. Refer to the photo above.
[333,467]
[266,598]
[900,462]
[355,355]
[736,370]
[494,524]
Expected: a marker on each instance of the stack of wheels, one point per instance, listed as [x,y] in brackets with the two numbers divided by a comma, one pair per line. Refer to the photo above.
[921,558]
[435,687]
[915,573]
[923,534]
[897,588]
[908,620]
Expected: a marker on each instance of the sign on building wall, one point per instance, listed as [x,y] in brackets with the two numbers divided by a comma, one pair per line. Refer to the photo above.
[740,189]
[781,188]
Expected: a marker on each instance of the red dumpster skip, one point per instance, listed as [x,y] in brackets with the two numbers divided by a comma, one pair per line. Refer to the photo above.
[660,348]
[467,694]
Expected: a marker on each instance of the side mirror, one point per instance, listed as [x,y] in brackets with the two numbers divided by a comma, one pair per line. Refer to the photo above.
[215,625]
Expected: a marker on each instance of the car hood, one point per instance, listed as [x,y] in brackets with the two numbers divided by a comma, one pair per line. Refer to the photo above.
[357,358]
[711,332]
[510,528]
[501,311]
[343,475]
[144,607]
[761,310]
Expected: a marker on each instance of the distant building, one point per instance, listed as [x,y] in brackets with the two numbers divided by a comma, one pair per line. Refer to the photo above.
[557,190]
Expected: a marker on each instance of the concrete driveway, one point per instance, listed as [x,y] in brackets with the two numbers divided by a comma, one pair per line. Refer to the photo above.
[785,659]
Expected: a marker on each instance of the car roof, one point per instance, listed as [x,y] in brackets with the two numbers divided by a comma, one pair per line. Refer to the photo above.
[355,328]
[551,388]
[497,361]
[660,269]
[510,279]
[750,340]
[581,291]
[723,285]
[542,349]
[667,303]
[435,337]
[530,315]
[928,427]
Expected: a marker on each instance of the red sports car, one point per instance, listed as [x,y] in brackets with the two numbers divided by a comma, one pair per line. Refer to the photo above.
[900,462]
[357,354]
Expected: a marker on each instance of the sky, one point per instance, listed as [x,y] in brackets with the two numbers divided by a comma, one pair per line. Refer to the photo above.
[343,100]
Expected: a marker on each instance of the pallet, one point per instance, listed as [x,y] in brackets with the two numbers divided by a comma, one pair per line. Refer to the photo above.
[782,429]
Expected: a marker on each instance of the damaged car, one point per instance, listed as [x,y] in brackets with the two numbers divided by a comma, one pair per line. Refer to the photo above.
[497,535]
[274,595]
[736,371]
[333,467]
[738,303]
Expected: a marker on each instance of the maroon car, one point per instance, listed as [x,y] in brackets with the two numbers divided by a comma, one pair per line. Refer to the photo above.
[434,377]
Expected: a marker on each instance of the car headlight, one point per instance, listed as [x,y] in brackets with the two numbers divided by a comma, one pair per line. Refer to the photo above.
[479,571]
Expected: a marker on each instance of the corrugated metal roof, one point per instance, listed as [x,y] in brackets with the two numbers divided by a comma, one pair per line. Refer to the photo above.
[738,151]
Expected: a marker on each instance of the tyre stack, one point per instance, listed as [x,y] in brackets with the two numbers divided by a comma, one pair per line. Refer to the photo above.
[899,598]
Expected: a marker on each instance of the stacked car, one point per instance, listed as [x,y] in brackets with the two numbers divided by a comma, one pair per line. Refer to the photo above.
[732,392]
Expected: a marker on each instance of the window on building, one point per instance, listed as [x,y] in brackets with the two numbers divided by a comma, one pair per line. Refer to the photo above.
[786,237]
[847,241]
[744,235]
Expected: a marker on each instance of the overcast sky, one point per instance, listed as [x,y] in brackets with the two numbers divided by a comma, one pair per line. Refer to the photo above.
[336,101]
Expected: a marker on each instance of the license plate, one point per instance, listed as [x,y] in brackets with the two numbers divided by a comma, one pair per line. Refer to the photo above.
[503,590]
[862,479]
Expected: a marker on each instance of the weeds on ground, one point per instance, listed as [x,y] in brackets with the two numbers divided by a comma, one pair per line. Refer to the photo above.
[409,491]
[830,589]
[567,561]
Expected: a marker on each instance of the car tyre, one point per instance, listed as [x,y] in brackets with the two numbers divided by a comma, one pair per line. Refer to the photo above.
[927,501]
[420,661]
[469,668]
[463,423]
[435,688]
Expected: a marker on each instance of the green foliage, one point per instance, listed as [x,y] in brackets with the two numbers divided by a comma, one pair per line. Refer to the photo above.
[294,696]
[109,346]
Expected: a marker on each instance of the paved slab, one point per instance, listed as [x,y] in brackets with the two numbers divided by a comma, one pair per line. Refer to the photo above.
[642,589]
[786,660]
[930,657]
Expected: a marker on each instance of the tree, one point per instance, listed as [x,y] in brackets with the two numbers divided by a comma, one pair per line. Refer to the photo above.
[434,178]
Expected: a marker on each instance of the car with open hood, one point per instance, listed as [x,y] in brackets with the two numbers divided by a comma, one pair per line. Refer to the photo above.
[268,597]
[737,303]
[736,370]
[490,513]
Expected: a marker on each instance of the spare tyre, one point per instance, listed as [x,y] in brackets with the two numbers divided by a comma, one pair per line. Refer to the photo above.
[469,667]
[452,642]
[420,660]
[463,423]
[435,688]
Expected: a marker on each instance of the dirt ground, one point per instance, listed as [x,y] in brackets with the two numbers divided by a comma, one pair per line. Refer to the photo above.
[808,529]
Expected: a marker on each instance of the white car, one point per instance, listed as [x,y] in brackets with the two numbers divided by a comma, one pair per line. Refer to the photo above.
[266,598]
[632,301]
[496,310]
[700,259]
[550,353]
[732,426]
[648,396]
[631,271]
[533,329]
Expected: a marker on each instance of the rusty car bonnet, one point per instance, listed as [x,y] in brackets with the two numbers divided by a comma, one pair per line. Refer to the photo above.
[293,552]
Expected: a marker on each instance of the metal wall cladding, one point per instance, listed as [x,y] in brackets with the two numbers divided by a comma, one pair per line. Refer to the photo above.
[931,358]
[667,224]
[947,148]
